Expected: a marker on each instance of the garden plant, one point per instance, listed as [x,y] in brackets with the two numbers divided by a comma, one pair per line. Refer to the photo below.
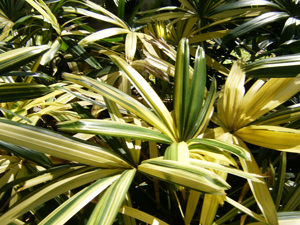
[185,113]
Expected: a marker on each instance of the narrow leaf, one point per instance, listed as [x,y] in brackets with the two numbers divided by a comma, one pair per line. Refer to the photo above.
[11,92]
[13,59]
[56,144]
[189,176]
[274,137]
[107,208]
[50,191]
[236,150]
[259,21]
[142,216]
[181,87]
[112,128]
[70,207]
[147,92]
[123,100]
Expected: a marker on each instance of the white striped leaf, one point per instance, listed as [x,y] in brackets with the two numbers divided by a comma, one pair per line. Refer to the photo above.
[56,144]
[113,128]
[109,204]
[234,149]
[185,175]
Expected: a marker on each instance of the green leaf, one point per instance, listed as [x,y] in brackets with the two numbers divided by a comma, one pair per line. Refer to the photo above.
[259,21]
[227,169]
[178,152]
[292,200]
[28,154]
[48,56]
[284,218]
[280,66]
[121,9]
[130,46]
[80,96]
[45,11]
[234,149]
[191,206]
[112,128]
[235,211]
[13,59]
[245,210]
[288,31]
[122,99]
[53,189]
[56,144]
[46,175]
[105,33]
[206,112]
[79,10]
[148,94]
[70,207]
[97,7]
[108,206]
[280,116]
[81,52]
[16,114]
[135,213]
[182,174]
[241,4]
[28,74]
[135,10]
[260,191]
[181,88]
[280,182]
[11,92]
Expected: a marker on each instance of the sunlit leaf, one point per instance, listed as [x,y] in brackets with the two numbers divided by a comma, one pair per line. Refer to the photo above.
[189,176]
[55,144]
[70,207]
[18,57]
[112,128]
[111,201]
[236,150]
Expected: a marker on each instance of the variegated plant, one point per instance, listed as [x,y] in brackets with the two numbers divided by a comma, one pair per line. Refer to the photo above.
[113,169]
[50,177]
[241,117]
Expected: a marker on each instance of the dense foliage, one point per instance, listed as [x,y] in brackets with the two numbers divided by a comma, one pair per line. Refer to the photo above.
[180,114]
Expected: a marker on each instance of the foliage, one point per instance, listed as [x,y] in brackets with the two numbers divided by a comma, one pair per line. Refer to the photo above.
[168,116]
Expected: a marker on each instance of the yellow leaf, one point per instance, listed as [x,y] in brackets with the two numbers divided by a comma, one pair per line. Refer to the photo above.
[135,213]
[232,95]
[279,138]
[272,94]
[260,190]
[130,46]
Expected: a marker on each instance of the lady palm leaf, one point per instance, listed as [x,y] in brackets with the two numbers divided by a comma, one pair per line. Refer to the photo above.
[45,11]
[181,89]
[203,13]
[111,201]
[236,115]
[70,207]
[112,128]
[11,92]
[124,100]
[142,216]
[13,59]
[147,92]
[68,182]
[276,67]
[289,10]
[46,141]
[189,176]
[10,12]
